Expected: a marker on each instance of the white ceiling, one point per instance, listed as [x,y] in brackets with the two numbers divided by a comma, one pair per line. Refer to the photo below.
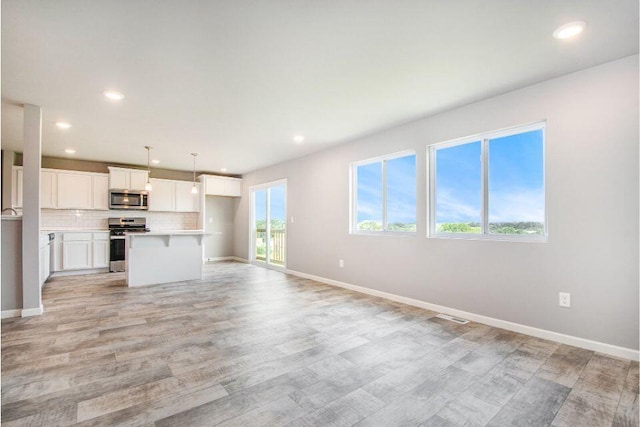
[235,80]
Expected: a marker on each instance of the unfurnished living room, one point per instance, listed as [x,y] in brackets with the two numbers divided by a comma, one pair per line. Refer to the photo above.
[320,213]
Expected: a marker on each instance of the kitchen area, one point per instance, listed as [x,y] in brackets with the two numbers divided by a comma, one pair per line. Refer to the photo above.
[89,212]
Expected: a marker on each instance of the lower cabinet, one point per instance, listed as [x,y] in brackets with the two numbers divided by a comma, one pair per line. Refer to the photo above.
[84,251]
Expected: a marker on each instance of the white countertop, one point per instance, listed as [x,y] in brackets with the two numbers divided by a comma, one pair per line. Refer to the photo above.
[170,233]
[11,218]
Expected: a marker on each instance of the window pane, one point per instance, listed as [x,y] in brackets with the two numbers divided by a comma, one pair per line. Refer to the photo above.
[401,194]
[278,222]
[260,212]
[516,184]
[458,189]
[369,215]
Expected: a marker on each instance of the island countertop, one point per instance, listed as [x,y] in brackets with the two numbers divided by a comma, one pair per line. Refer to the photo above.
[169,233]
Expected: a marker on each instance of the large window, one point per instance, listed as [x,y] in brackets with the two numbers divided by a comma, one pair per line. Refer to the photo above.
[489,186]
[384,194]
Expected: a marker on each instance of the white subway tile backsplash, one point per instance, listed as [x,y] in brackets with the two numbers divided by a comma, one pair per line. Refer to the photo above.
[85,219]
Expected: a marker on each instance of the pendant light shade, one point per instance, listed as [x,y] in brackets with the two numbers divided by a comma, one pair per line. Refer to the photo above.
[147,185]
[194,189]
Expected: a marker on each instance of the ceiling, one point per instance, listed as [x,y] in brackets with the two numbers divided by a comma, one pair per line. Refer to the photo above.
[236,80]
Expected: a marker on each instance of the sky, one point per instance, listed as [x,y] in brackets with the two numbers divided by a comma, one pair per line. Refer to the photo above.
[401,191]
[276,200]
[516,191]
[516,186]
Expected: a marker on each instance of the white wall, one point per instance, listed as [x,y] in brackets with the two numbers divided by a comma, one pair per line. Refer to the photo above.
[592,196]
[60,219]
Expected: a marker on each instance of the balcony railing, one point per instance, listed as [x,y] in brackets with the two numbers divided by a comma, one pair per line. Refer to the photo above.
[276,249]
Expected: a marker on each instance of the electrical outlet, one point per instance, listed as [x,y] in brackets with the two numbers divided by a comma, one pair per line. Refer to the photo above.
[565,299]
[341,263]
[292,219]
[210,220]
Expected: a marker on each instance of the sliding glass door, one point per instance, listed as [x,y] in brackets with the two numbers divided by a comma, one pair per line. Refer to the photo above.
[268,229]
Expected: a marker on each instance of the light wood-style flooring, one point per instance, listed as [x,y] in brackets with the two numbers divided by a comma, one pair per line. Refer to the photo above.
[249,346]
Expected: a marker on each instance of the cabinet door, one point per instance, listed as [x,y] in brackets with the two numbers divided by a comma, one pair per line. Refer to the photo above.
[76,255]
[48,196]
[119,180]
[163,196]
[138,180]
[74,191]
[100,192]
[232,188]
[100,253]
[214,186]
[17,188]
[186,201]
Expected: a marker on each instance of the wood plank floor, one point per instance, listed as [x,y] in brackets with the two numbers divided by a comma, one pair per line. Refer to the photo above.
[253,347]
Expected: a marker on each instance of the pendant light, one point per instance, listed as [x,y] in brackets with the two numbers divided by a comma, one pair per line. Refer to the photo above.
[147,186]
[194,189]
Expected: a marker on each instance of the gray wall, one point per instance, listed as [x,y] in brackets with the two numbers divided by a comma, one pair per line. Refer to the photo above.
[103,167]
[592,208]
[218,220]
[11,296]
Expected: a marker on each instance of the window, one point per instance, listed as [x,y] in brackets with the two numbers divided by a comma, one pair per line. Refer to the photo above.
[384,194]
[489,186]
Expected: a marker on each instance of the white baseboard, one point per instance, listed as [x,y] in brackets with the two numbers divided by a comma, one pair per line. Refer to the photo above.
[226,258]
[6,314]
[78,272]
[612,350]
[27,312]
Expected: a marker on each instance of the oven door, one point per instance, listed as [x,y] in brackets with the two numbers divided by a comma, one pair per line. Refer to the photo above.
[117,254]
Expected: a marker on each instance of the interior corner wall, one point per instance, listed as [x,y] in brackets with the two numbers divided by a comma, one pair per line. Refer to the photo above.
[592,210]
[219,213]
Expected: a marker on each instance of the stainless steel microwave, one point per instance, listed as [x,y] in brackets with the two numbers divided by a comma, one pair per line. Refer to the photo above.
[128,200]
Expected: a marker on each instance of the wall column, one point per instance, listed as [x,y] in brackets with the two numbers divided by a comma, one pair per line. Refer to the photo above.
[31,158]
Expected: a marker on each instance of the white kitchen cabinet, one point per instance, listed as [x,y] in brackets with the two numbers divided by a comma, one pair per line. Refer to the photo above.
[48,189]
[163,196]
[75,191]
[16,190]
[138,180]
[100,192]
[100,250]
[127,179]
[186,201]
[223,186]
[84,250]
[76,254]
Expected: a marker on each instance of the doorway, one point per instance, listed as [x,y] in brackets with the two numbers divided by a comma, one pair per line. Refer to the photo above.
[268,224]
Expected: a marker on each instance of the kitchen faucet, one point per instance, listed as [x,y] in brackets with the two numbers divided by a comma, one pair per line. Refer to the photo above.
[15,212]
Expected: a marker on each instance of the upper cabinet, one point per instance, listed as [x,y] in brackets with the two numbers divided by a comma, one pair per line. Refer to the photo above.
[48,189]
[127,179]
[62,189]
[222,186]
[173,196]
[75,191]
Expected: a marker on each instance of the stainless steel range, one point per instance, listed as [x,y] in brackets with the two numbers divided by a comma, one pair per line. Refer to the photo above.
[118,227]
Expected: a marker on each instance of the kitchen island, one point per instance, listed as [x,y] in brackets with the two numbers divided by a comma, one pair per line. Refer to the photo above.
[163,257]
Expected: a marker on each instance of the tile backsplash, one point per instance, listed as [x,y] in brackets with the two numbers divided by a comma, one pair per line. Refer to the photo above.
[90,219]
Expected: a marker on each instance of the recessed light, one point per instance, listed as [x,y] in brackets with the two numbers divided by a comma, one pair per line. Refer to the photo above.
[223,169]
[298,138]
[113,95]
[63,125]
[569,30]
[155,161]
[70,151]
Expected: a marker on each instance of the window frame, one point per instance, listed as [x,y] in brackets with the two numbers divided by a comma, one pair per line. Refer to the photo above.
[485,156]
[353,190]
